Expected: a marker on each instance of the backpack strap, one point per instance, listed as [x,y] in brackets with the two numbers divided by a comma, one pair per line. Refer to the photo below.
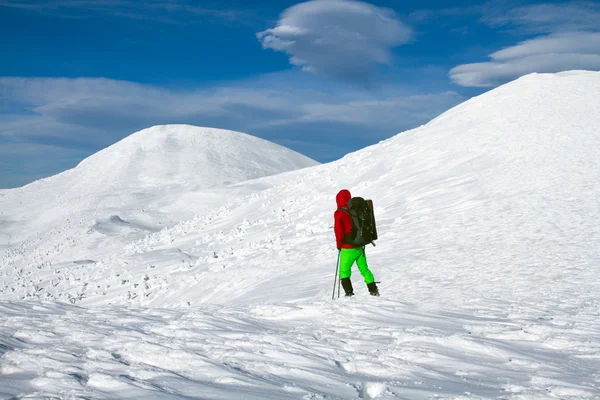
[347,211]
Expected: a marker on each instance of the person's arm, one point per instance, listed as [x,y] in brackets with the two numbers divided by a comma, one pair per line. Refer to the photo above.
[339,228]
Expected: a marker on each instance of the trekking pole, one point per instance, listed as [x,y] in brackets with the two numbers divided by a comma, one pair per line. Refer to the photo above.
[335,277]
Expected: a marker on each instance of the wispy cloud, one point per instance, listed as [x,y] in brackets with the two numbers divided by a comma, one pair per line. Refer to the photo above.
[88,114]
[568,38]
[109,104]
[164,11]
[552,53]
[546,18]
[446,15]
[340,39]
[42,160]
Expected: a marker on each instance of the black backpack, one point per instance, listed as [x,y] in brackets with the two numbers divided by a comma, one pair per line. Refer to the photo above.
[364,230]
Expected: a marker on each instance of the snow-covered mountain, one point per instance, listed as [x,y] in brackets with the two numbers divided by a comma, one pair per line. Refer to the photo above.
[131,179]
[490,273]
[185,155]
[165,157]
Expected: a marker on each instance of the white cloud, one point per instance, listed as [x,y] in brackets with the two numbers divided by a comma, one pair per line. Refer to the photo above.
[340,39]
[568,39]
[552,53]
[547,18]
[570,43]
[106,104]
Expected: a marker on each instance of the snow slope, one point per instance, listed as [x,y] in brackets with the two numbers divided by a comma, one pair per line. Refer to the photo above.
[489,221]
[120,191]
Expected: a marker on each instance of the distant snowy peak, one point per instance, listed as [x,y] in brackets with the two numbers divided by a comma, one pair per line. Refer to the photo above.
[189,155]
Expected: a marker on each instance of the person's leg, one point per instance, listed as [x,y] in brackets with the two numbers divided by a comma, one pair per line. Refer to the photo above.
[363,267]
[347,258]
[347,285]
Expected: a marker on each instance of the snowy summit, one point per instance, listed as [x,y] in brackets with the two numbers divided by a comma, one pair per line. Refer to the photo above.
[488,221]
[190,156]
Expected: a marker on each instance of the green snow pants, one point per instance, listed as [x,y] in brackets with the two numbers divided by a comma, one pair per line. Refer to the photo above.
[347,259]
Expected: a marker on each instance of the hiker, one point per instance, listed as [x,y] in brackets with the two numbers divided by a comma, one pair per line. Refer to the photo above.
[350,253]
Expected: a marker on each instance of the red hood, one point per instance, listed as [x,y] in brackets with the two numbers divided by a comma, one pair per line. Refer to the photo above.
[342,198]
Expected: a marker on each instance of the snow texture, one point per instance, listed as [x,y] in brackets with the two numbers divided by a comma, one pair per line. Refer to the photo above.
[488,257]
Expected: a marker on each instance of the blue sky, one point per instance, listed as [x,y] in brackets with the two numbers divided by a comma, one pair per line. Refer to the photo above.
[323,77]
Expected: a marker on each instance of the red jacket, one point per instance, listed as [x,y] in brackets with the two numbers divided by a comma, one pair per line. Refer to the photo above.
[342,224]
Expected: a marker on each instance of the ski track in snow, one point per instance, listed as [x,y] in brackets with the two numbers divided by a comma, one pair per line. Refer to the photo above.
[489,221]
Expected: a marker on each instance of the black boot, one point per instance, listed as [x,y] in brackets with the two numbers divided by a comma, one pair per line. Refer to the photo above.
[373,289]
[347,285]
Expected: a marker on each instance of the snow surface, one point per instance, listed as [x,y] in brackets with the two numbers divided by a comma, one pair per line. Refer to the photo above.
[489,222]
